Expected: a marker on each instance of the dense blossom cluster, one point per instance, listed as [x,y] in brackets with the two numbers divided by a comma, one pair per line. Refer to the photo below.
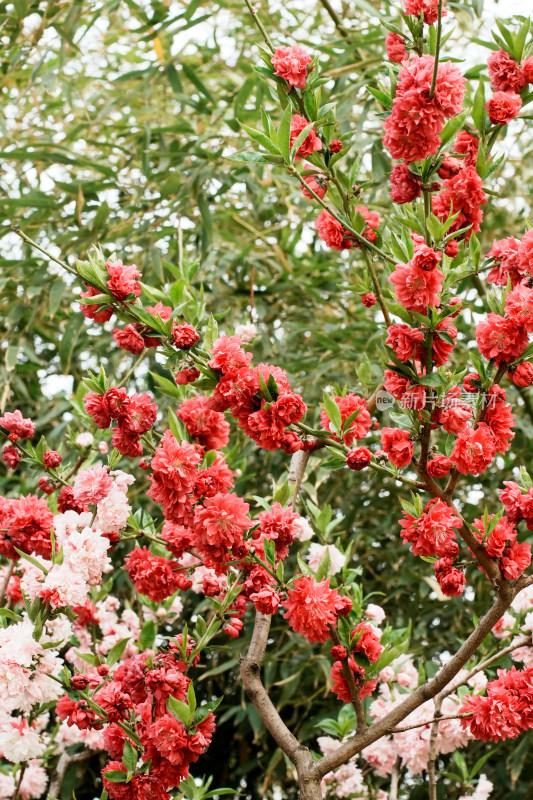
[412,129]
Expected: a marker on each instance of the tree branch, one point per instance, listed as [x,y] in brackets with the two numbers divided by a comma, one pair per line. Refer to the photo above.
[65,760]
[250,670]
[296,474]
[350,682]
[424,693]
[432,750]
[523,640]
[428,722]
[335,17]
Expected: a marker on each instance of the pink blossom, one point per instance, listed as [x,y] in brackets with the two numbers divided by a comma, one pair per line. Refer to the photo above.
[415,288]
[396,49]
[291,64]
[92,485]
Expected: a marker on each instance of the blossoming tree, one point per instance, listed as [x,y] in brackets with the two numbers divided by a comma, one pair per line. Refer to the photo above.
[79,664]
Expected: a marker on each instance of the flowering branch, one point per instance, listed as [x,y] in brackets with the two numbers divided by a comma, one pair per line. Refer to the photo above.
[421,695]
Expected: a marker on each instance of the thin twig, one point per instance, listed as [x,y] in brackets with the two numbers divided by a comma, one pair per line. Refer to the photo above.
[429,722]
[350,682]
[260,26]
[365,243]
[131,371]
[377,288]
[521,642]
[33,244]
[335,17]
[437,52]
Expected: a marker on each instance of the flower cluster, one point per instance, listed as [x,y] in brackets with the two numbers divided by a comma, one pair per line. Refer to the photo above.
[241,388]
[505,711]
[134,415]
[412,129]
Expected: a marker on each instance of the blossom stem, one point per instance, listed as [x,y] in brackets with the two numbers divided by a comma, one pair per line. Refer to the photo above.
[19,782]
[390,474]
[131,371]
[263,31]
[46,253]
[437,52]
[128,731]
[357,236]
[377,288]
[427,210]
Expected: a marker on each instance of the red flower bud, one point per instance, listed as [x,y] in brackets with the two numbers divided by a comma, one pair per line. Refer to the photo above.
[368,299]
[359,458]
[338,653]
[52,459]
[80,681]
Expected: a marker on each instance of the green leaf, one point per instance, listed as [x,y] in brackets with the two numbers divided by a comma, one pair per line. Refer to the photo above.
[270,551]
[383,98]
[6,612]
[520,40]
[167,386]
[333,412]
[283,494]
[261,138]
[115,776]
[116,651]
[432,380]
[178,429]
[251,157]
[148,634]
[193,77]
[300,139]
[452,127]
[284,134]
[364,370]
[324,566]
[129,756]
[479,114]
[191,698]
[180,710]
[211,333]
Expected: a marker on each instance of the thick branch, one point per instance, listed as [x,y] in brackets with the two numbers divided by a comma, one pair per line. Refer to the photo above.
[424,693]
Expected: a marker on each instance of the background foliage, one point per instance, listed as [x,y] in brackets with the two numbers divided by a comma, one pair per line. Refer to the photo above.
[117,120]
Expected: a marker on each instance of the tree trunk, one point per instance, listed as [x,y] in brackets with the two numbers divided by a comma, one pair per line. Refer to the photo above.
[310,789]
